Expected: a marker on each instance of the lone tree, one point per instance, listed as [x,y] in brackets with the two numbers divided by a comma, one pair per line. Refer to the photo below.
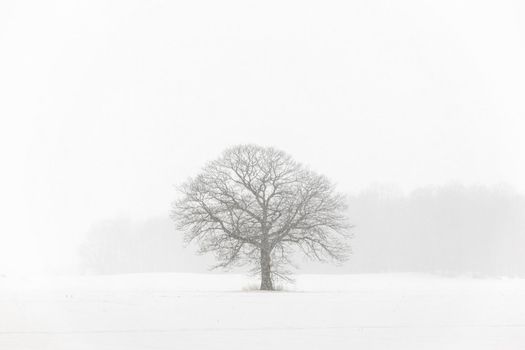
[255,205]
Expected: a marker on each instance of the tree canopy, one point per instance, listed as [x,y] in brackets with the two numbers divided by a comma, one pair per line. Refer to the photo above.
[256,205]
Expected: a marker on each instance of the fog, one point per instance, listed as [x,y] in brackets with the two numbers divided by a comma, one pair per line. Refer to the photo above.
[106,105]
[452,230]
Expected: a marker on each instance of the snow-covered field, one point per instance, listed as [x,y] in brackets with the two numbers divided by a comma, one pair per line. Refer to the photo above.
[188,311]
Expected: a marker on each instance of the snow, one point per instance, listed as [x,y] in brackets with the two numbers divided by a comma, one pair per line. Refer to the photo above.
[198,311]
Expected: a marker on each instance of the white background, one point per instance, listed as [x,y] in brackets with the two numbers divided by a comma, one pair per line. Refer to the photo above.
[105,105]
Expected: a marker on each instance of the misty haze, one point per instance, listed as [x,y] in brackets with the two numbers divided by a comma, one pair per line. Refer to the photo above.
[451,230]
[262,175]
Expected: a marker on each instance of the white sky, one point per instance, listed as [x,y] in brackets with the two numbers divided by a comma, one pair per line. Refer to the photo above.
[105,105]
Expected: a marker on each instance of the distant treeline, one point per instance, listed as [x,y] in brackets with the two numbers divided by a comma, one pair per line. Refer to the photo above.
[450,229]
[127,246]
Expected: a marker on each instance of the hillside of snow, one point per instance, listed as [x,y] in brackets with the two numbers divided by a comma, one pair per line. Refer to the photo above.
[192,311]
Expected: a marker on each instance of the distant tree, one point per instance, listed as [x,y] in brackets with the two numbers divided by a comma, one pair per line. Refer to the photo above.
[255,205]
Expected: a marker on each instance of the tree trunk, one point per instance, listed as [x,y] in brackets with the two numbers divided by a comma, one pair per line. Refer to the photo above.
[266,274]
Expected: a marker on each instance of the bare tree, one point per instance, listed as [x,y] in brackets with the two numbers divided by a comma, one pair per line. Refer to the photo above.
[255,205]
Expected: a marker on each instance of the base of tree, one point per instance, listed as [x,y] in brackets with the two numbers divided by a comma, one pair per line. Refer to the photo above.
[270,289]
[266,282]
